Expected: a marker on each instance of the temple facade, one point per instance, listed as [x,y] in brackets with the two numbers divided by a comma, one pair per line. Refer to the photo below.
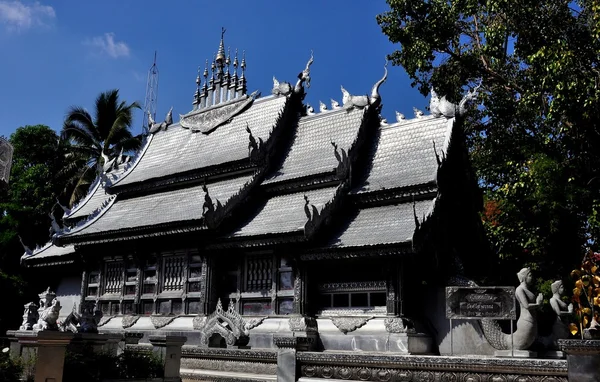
[256,222]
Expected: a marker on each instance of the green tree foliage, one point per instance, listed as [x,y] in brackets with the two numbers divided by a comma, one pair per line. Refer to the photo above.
[94,140]
[35,184]
[535,134]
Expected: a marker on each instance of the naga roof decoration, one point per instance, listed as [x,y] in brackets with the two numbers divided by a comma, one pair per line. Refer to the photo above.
[95,197]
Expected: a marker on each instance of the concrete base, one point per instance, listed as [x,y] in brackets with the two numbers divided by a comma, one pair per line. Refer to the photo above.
[515,354]
[168,348]
[51,348]
[583,359]
[372,337]
[553,354]
[286,365]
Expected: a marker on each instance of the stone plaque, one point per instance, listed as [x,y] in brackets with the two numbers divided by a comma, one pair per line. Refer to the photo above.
[464,303]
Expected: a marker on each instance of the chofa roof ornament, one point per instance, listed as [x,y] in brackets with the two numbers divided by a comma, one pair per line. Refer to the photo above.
[360,102]
[285,88]
[440,106]
[155,127]
[304,76]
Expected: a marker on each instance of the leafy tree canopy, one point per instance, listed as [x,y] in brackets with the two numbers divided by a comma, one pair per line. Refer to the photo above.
[35,185]
[534,136]
[24,207]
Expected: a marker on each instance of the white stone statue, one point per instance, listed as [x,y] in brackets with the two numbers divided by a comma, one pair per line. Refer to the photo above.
[526,331]
[30,316]
[48,312]
[561,309]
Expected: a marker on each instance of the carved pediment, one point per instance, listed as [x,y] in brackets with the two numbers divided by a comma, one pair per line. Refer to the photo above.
[206,120]
[349,324]
[161,321]
[129,321]
[228,324]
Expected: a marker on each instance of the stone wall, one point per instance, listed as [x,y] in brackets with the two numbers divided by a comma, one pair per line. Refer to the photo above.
[68,292]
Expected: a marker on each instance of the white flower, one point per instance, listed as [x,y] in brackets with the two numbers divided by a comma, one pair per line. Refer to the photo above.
[5,350]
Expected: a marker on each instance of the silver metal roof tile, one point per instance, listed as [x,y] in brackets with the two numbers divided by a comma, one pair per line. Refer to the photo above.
[391,224]
[405,155]
[312,152]
[178,149]
[285,213]
[163,207]
[49,250]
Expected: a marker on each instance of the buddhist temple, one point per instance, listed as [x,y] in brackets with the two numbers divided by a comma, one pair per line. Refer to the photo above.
[256,222]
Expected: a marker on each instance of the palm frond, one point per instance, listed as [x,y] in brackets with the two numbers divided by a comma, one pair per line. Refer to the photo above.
[80,117]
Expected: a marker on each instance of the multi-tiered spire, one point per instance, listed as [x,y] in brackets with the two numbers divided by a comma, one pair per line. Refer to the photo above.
[221,86]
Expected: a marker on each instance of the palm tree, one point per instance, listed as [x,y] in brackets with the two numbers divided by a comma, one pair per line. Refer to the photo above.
[93,141]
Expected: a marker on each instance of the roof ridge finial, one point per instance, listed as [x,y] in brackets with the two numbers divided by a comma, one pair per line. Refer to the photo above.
[220,59]
[228,59]
[235,59]
[197,93]
[243,65]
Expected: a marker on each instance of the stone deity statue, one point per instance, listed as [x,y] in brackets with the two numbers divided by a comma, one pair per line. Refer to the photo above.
[90,317]
[30,316]
[48,312]
[526,331]
[561,309]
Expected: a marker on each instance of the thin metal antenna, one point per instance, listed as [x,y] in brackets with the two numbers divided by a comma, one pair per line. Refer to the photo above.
[151,100]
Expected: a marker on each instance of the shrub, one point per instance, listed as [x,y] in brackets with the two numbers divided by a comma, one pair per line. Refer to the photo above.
[586,294]
[10,368]
[85,365]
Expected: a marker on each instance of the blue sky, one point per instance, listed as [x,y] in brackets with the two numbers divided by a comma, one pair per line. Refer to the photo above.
[62,53]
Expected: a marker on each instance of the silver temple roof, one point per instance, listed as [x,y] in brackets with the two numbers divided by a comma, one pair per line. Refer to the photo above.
[405,155]
[282,214]
[390,224]
[177,149]
[159,208]
[49,251]
[312,152]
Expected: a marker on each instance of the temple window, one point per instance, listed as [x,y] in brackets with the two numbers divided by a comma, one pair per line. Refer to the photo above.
[360,286]
[113,277]
[268,285]
[93,284]
[174,306]
[149,277]
[172,273]
[194,283]
[359,295]
[131,279]
[259,272]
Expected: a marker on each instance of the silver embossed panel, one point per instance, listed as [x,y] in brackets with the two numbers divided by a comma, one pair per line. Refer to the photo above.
[480,302]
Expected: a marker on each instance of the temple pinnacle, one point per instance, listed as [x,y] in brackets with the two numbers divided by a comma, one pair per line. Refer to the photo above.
[220,59]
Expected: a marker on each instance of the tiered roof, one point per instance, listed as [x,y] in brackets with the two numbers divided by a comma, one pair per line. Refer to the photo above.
[341,180]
